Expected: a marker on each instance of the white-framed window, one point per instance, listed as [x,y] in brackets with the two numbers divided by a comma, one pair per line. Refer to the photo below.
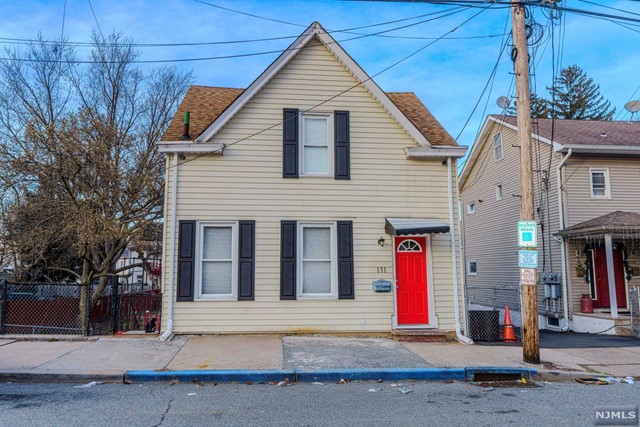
[498,191]
[472,267]
[471,208]
[317,265]
[497,145]
[217,260]
[600,185]
[316,147]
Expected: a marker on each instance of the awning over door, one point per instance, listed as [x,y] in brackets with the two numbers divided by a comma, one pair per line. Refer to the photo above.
[407,226]
[619,224]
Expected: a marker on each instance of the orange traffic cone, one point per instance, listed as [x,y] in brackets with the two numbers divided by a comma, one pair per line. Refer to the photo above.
[508,334]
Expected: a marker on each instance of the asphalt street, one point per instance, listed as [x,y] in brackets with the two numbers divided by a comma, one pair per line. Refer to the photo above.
[354,404]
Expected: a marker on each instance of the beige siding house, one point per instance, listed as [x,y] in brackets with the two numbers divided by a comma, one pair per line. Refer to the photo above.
[589,168]
[311,201]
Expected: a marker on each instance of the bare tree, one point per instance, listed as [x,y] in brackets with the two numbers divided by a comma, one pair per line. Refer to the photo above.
[77,143]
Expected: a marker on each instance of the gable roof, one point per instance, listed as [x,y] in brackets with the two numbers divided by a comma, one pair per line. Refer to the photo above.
[206,103]
[590,137]
[406,108]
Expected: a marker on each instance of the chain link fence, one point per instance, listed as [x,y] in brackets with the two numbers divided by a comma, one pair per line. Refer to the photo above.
[56,309]
[634,308]
[486,309]
[40,308]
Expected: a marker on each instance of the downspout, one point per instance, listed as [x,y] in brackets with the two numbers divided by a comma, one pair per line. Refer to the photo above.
[454,262]
[565,295]
[172,250]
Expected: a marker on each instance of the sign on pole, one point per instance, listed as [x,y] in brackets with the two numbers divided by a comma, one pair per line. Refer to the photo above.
[527,276]
[528,259]
[527,234]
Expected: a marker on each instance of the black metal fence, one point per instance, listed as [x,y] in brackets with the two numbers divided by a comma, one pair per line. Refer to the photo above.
[487,307]
[55,308]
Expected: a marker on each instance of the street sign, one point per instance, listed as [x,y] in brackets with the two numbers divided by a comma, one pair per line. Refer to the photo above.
[527,259]
[527,234]
[527,276]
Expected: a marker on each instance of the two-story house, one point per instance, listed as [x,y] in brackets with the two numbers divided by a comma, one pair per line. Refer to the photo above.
[587,204]
[311,201]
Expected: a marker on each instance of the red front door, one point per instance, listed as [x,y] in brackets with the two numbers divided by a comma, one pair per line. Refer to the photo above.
[411,281]
[602,299]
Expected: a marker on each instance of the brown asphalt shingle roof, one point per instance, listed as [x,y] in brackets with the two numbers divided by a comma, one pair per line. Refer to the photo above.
[611,222]
[206,103]
[584,132]
[421,118]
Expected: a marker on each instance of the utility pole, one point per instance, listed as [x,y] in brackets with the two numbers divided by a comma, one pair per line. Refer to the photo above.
[528,276]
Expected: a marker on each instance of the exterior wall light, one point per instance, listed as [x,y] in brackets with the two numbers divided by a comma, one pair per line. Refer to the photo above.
[381,241]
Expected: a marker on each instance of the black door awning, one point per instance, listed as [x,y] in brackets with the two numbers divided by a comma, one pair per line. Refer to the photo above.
[408,226]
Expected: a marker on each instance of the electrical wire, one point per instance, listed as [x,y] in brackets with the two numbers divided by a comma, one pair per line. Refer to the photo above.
[443,14]
[95,18]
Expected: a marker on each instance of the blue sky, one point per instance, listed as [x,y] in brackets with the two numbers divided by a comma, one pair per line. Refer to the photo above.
[448,76]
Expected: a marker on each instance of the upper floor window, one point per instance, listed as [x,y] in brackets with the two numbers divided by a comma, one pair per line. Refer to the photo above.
[498,191]
[471,208]
[316,144]
[600,186]
[497,145]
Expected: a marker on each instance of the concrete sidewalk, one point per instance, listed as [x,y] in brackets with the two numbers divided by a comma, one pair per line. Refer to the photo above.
[111,357]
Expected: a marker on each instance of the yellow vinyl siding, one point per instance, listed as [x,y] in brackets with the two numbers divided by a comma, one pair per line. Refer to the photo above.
[246,183]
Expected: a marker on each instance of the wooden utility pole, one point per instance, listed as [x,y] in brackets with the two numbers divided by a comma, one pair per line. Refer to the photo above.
[528,276]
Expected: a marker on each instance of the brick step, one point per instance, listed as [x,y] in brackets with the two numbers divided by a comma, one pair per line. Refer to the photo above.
[419,335]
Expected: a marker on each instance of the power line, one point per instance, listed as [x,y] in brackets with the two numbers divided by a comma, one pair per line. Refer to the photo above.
[443,14]
[95,18]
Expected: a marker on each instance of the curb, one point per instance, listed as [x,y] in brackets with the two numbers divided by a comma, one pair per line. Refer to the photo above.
[418,374]
[28,377]
[326,375]
[222,376]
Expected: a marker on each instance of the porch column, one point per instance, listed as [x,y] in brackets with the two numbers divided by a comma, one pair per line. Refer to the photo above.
[608,247]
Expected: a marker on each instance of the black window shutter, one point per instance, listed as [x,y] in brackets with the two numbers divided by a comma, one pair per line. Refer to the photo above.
[290,143]
[342,142]
[288,260]
[246,261]
[345,260]
[186,253]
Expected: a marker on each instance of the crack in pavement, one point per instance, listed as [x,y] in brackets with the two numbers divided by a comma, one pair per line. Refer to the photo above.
[168,408]
[166,411]
[60,356]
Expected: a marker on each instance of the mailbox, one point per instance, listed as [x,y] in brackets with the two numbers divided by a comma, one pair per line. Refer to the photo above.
[381,285]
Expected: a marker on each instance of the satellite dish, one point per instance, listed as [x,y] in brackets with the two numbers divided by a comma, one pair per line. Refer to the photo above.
[503,102]
[632,106]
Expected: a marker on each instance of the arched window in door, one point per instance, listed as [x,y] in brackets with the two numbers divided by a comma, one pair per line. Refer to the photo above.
[409,246]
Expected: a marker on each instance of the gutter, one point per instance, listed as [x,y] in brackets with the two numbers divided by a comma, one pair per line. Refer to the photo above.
[172,250]
[563,250]
[454,263]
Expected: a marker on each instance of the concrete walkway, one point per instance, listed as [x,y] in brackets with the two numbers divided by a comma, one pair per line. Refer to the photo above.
[113,356]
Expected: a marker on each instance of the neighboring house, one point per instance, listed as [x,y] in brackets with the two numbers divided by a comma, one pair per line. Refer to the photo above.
[593,240]
[145,250]
[288,199]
